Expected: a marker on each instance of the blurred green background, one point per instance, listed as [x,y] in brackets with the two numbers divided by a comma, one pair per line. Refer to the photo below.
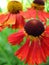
[6,50]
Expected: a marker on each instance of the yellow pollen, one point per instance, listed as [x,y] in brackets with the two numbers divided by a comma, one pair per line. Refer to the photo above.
[14,7]
[37,6]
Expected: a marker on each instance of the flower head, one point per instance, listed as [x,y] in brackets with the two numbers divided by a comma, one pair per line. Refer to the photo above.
[36,11]
[34,27]
[36,48]
[38,4]
[13,16]
[14,7]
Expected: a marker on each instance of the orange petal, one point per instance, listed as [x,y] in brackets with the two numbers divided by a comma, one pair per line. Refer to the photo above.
[25,15]
[23,51]
[41,16]
[30,13]
[3,18]
[46,14]
[11,20]
[14,38]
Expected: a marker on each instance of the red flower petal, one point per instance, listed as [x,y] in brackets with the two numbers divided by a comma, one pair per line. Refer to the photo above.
[19,21]
[1,28]
[30,56]
[30,13]
[25,15]
[40,56]
[46,31]
[46,40]
[45,45]
[41,16]
[46,14]
[35,54]
[14,38]
[23,51]
[3,18]
[47,28]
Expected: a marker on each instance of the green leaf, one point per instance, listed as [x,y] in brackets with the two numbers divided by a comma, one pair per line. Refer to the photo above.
[6,50]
